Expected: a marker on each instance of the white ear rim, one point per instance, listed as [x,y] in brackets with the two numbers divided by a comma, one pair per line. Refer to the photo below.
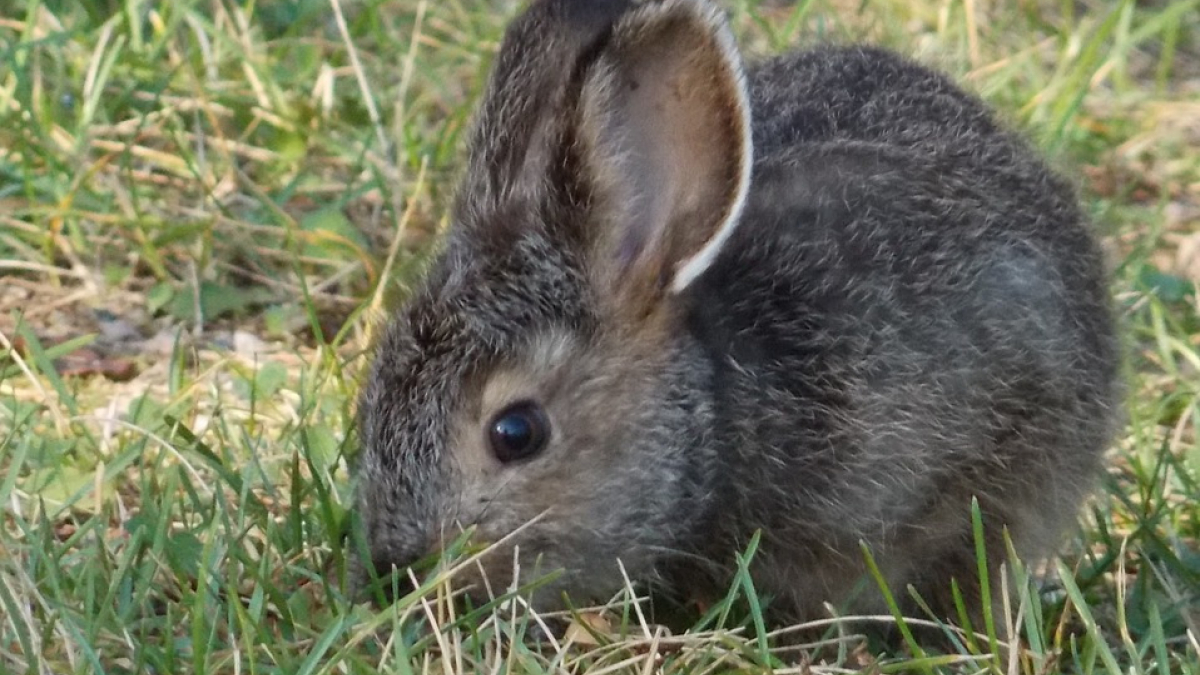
[688,271]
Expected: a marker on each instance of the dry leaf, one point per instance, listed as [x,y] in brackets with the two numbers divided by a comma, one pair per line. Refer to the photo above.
[585,626]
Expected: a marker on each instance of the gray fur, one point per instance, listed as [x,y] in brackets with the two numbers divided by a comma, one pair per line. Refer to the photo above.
[911,312]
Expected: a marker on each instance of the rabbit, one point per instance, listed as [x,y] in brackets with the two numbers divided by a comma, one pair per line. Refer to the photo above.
[828,299]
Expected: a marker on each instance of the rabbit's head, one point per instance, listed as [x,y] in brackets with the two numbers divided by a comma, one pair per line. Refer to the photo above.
[541,382]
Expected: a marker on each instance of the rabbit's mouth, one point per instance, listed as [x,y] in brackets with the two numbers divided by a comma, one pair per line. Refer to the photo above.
[548,576]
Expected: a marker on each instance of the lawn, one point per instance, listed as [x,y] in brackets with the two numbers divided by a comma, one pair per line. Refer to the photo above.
[207,206]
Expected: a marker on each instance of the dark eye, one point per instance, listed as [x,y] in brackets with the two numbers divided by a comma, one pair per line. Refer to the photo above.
[520,431]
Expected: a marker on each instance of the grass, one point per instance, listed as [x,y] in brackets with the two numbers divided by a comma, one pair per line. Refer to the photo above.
[205,205]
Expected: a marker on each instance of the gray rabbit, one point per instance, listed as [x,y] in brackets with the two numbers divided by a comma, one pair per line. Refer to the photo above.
[830,299]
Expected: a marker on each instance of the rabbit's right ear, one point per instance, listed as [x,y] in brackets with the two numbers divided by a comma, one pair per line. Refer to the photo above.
[664,129]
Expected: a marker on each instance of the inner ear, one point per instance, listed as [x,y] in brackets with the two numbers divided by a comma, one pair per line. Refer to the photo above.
[666,129]
[673,119]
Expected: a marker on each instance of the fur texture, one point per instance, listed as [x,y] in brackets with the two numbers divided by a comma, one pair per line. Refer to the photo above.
[903,310]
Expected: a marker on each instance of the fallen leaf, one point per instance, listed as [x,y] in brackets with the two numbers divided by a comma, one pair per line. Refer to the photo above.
[89,363]
[585,627]
[64,531]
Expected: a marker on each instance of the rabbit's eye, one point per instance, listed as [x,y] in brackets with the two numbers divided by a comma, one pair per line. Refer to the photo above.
[519,431]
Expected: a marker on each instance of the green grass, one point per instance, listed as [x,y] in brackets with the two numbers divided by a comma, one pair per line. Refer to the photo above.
[208,170]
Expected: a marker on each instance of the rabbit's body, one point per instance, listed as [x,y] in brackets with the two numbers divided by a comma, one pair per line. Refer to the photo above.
[870,379]
[902,311]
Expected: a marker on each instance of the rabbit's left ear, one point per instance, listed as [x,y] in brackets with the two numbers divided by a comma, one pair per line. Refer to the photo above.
[664,125]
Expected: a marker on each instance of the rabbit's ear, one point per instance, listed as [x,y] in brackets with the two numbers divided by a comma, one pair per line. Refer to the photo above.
[665,128]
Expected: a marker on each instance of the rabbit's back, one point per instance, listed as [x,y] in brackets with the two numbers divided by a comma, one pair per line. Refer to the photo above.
[919,303]
[860,93]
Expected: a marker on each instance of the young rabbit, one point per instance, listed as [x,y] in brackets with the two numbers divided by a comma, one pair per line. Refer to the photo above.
[829,299]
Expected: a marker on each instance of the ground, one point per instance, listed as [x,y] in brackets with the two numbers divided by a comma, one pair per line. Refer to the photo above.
[207,206]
